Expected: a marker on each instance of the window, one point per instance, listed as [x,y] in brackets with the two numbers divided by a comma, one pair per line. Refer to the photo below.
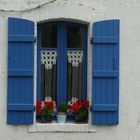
[62,61]
[48,61]
[21,75]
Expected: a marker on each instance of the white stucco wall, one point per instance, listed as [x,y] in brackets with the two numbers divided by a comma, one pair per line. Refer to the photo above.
[88,11]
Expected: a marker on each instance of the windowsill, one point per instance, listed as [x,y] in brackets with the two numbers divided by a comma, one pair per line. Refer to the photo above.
[59,127]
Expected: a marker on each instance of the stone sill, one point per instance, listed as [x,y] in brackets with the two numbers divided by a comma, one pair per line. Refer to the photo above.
[59,127]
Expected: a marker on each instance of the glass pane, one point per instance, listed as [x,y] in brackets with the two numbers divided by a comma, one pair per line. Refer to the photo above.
[75,75]
[49,36]
[74,37]
[48,74]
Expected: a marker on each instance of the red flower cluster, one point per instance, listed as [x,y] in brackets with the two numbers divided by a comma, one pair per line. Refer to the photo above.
[49,105]
[41,104]
[38,107]
[86,104]
[78,105]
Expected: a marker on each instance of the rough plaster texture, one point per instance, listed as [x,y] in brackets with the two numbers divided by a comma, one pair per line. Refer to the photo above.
[88,11]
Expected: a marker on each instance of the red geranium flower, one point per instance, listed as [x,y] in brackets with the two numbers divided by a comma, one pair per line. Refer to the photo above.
[74,108]
[38,107]
[49,105]
[86,104]
[79,103]
[79,107]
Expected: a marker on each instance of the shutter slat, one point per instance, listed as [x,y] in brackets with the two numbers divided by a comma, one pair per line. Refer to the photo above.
[20,106]
[20,72]
[104,107]
[103,39]
[105,83]
[20,38]
[105,74]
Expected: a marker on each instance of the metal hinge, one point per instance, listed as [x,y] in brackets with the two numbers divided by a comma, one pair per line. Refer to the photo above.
[35,39]
[91,108]
[91,40]
[34,109]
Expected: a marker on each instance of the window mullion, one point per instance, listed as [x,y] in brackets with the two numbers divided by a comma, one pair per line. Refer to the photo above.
[62,63]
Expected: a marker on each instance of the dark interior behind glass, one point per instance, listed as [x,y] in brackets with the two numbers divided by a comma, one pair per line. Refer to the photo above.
[49,36]
[74,37]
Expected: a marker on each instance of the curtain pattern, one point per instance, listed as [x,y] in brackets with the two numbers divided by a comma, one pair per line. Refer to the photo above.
[74,76]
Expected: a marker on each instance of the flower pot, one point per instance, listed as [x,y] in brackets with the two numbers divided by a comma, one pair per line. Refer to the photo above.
[46,118]
[61,118]
[80,119]
[38,118]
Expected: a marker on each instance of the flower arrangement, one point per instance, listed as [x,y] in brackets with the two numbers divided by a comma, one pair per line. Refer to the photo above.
[61,114]
[79,109]
[46,109]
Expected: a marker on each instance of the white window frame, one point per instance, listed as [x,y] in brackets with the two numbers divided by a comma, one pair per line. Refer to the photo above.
[66,127]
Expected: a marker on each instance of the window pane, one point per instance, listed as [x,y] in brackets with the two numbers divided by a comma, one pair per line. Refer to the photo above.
[74,37]
[49,36]
[48,74]
[75,75]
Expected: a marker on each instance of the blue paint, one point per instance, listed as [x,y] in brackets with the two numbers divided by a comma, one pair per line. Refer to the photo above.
[20,71]
[85,63]
[105,83]
[104,107]
[38,63]
[62,65]
[21,38]
[21,107]
[104,73]
[105,39]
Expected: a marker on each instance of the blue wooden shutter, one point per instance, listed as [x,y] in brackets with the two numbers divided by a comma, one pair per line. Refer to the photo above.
[105,83]
[20,106]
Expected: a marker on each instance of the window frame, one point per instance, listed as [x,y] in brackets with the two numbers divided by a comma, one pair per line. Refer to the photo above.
[62,49]
[67,127]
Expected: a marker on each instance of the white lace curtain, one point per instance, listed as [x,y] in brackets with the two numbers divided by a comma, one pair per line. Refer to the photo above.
[49,74]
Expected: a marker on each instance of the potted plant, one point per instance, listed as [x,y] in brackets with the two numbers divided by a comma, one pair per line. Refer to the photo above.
[80,110]
[61,115]
[45,109]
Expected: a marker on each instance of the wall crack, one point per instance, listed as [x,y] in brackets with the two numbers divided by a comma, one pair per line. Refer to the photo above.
[30,9]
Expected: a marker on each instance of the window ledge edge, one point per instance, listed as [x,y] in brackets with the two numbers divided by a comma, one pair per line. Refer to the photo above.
[58,127]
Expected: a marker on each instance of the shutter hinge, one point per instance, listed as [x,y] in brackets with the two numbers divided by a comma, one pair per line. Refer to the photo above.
[91,108]
[35,39]
[34,109]
[91,40]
